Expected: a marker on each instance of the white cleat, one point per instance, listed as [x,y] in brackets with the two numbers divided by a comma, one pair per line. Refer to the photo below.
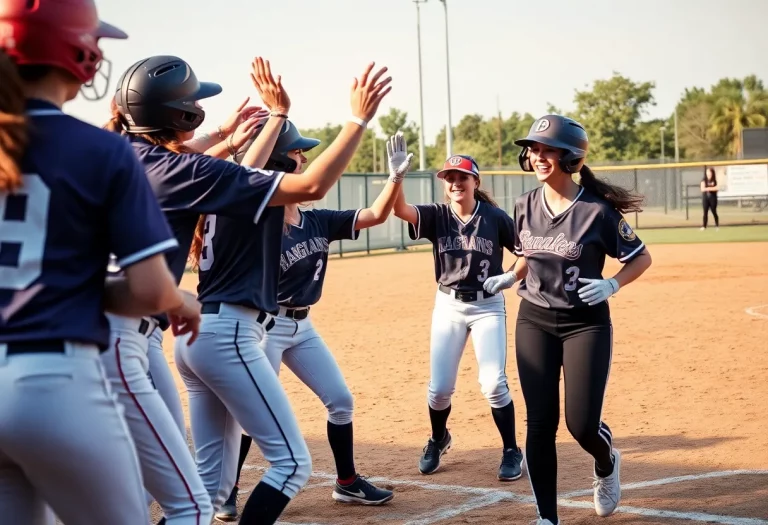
[544,522]
[608,489]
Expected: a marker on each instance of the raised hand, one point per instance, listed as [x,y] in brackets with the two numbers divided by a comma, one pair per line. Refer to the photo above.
[240,115]
[399,158]
[367,93]
[248,128]
[271,91]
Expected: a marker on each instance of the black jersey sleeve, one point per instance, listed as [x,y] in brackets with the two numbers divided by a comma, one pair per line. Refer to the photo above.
[621,242]
[425,227]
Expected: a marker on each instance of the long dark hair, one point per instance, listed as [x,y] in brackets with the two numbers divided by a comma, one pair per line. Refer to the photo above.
[714,175]
[13,125]
[625,201]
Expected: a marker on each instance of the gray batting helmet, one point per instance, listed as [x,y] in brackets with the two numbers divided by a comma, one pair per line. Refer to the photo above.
[290,139]
[559,132]
[160,93]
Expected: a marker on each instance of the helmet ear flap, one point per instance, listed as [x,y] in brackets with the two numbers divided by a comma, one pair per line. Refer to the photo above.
[524,159]
[571,162]
[281,163]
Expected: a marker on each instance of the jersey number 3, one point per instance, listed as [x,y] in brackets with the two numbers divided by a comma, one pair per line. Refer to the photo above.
[206,253]
[573,273]
[23,230]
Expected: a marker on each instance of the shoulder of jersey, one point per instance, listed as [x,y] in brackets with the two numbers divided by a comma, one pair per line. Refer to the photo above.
[91,136]
[528,195]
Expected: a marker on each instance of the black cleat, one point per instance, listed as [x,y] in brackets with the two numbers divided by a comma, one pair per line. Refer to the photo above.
[433,451]
[361,492]
[511,465]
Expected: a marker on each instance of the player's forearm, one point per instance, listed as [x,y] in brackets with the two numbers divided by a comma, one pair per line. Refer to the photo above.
[378,212]
[219,150]
[328,168]
[402,209]
[520,268]
[634,268]
[261,148]
[205,141]
[121,298]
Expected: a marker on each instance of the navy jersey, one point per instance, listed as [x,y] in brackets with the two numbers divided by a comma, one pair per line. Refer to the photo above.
[240,260]
[465,254]
[192,184]
[84,196]
[571,245]
[304,254]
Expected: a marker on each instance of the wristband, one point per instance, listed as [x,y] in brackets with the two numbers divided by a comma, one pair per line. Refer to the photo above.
[279,115]
[360,122]
[514,276]
[614,285]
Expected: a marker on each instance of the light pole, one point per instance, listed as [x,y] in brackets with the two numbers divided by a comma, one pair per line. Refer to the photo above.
[422,147]
[449,130]
[662,143]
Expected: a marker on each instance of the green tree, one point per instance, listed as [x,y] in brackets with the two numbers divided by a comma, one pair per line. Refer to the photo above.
[611,111]
[738,105]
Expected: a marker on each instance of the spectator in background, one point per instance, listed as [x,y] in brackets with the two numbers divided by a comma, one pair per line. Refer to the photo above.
[709,189]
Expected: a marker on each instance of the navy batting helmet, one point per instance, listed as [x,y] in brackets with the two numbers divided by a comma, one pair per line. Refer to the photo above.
[290,139]
[559,132]
[160,93]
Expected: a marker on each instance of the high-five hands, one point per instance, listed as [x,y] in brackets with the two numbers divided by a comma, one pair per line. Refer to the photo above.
[271,91]
[399,158]
[367,93]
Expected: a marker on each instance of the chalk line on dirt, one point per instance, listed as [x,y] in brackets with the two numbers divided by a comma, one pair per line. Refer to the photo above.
[485,497]
[752,310]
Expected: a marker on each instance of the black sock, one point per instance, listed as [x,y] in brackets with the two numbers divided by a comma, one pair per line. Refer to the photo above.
[340,438]
[264,506]
[604,473]
[245,446]
[161,522]
[439,419]
[505,422]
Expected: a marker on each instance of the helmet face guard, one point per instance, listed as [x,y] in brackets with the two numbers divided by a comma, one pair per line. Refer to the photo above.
[558,132]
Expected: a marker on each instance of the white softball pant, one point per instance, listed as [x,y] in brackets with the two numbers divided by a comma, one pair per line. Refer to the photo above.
[168,467]
[64,443]
[453,322]
[300,347]
[161,376]
[232,387]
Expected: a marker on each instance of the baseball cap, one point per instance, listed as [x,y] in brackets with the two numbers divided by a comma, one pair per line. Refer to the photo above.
[463,163]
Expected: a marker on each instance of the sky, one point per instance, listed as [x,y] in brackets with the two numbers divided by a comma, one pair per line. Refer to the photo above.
[505,55]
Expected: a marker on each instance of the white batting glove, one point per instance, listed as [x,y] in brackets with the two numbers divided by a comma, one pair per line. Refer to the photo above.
[597,290]
[399,158]
[497,283]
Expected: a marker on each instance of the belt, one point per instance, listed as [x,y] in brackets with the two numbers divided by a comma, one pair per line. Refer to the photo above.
[297,314]
[214,307]
[147,326]
[35,347]
[465,297]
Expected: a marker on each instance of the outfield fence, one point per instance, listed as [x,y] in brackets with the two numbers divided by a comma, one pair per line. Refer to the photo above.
[671,191]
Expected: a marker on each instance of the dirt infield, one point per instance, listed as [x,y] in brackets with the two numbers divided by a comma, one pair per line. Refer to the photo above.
[686,398]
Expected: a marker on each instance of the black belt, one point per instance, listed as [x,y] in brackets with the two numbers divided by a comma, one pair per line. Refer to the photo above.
[297,314]
[35,347]
[214,307]
[465,297]
[144,327]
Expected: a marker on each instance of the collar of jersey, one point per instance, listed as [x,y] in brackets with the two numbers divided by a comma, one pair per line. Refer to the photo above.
[301,221]
[458,219]
[37,107]
[547,210]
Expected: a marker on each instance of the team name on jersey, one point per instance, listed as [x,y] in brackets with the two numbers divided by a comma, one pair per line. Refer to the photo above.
[465,242]
[558,245]
[303,249]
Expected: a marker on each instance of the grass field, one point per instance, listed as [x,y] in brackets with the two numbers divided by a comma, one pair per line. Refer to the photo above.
[694,235]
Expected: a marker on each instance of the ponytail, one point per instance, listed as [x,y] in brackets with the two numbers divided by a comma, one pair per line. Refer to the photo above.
[13,125]
[484,196]
[621,199]
[197,244]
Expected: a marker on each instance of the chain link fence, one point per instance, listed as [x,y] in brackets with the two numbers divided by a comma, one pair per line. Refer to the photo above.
[671,191]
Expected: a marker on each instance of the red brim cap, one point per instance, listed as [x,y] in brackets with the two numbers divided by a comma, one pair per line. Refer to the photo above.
[106,30]
[464,164]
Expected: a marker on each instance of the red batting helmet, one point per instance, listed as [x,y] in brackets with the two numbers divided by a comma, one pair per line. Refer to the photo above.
[58,33]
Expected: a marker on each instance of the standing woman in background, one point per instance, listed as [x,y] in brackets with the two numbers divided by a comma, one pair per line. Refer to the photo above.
[70,194]
[564,231]
[468,233]
[709,190]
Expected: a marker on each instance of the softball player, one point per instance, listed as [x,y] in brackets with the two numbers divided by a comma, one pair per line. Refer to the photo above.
[709,190]
[468,234]
[564,231]
[293,340]
[230,382]
[61,218]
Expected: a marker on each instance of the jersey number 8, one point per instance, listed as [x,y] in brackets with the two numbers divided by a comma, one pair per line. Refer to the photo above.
[23,231]
[206,253]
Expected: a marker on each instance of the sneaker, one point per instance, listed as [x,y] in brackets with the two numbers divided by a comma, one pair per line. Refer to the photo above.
[228,511]
[511,465]
[544,522]
[608,489]
[362,492]
[433,451]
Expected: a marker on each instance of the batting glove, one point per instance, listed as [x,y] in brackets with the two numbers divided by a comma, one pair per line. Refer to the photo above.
[399,158]
[497,283]
[597,290]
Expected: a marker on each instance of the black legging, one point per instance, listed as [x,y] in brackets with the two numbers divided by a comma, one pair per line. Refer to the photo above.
[580,341]
[709,202]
